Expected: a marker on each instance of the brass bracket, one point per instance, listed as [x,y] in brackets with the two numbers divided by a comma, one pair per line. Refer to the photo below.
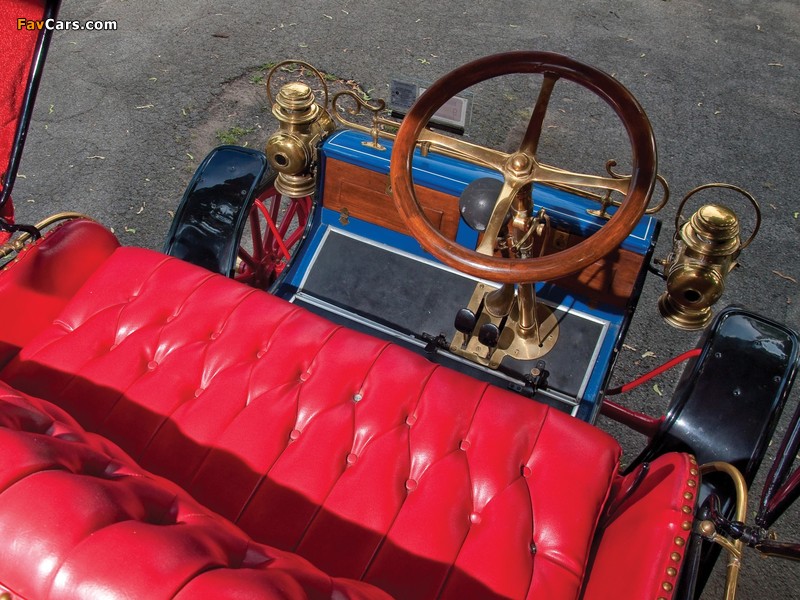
[380,126]
[606,201]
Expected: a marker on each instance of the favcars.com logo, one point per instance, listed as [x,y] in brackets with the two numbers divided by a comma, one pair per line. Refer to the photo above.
[58,25]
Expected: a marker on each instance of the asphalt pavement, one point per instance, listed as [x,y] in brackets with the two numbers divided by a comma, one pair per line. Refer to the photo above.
[124,117]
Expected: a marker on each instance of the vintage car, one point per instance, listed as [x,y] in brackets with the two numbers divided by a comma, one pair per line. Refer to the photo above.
[368,363]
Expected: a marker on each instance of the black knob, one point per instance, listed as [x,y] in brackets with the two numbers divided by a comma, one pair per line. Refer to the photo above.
[477,202]
[465,321]
[489,335]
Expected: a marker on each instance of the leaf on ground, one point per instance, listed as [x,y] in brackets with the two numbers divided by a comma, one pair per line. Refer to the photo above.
[129,229]
[657,389]
[786,277]
[648,354]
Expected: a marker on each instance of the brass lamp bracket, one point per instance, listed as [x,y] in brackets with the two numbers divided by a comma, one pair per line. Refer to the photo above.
[607,201]
[380,126]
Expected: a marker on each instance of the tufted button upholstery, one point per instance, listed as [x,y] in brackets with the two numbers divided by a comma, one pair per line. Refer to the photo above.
[96,525]
[364,458]
[440,465]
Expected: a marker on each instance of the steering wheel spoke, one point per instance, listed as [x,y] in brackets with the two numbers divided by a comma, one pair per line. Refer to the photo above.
[501,208]
[489,157]
[546,174]
[530,141]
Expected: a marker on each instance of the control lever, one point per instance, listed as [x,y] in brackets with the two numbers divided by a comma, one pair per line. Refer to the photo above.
[465,324]
[489,335]
[465,321]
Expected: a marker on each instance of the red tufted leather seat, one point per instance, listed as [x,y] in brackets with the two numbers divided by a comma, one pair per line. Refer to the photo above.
[367,460]
[80,519]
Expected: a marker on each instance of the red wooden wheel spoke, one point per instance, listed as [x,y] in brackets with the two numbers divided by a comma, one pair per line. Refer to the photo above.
[275,227]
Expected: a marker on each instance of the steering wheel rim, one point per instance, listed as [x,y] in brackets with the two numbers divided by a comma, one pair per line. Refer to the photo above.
[551,266]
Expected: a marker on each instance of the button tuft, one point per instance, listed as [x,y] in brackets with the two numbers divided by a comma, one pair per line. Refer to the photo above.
[294,435]
[411,485]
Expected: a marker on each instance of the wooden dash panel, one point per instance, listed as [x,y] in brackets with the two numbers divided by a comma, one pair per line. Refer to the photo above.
[610,280]
[363,193]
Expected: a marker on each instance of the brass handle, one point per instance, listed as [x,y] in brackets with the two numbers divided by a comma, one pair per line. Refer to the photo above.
[726,186]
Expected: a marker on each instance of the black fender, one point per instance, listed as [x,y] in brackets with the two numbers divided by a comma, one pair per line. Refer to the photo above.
[726,407]
[209,220]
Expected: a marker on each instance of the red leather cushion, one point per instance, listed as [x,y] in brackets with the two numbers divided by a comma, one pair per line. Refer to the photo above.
[39,281]
[367,459]
[79,519]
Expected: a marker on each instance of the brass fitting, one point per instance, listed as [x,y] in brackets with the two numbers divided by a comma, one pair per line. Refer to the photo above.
[705,249]
[292,150]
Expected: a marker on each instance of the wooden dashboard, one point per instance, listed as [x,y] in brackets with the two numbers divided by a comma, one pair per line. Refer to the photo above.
[356,192]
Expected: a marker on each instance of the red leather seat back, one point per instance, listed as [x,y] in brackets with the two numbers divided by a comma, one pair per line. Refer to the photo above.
[365,458]
[17,49]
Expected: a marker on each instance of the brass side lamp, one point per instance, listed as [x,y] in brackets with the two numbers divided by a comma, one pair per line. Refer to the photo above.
[292,150]
[705,249]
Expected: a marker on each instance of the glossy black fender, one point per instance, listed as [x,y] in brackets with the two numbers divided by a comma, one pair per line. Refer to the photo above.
[729,399]
[726,407]
[211,216]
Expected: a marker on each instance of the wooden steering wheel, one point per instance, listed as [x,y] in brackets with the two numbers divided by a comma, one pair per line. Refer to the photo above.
[521,168]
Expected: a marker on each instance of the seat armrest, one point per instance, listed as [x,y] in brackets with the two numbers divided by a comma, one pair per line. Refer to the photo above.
[36,285]
[659,499]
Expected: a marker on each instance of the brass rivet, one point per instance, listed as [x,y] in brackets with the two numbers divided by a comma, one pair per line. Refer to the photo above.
[679,541]
[667,586]
[688,495]
[675,556]
[687,510]
[694,472]
[686,525]
[672,571]
[691,483]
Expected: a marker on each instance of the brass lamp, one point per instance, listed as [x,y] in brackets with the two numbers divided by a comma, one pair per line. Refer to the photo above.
[302,123]
[705,249]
